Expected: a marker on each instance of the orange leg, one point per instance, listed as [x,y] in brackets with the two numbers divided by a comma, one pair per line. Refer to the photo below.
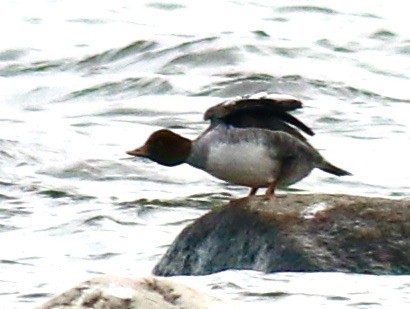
[252,192]
[270,191]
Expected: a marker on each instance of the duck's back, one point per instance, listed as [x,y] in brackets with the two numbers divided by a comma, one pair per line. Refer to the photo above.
[262,110]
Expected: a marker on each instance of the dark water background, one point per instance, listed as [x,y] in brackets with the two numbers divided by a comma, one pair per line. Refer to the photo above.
[81,82]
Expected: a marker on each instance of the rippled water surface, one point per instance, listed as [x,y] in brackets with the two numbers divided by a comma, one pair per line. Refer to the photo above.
[81,82]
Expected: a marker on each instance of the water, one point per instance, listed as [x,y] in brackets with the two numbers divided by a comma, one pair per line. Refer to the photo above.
[83,82]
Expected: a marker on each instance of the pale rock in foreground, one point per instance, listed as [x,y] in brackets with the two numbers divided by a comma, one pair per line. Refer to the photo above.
[124,293]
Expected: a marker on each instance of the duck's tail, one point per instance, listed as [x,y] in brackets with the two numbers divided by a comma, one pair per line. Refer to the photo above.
[331,169]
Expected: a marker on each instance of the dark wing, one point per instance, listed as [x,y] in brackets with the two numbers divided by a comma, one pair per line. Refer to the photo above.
[267,102]
[260,111]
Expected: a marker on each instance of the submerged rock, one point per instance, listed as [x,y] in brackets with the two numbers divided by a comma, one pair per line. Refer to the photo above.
[122,293]
[317,232]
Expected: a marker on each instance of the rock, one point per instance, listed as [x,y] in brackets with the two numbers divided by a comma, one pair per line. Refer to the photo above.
[296,233]
[124,293]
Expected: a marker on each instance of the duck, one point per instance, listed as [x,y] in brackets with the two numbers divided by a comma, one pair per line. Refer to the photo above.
[252,141]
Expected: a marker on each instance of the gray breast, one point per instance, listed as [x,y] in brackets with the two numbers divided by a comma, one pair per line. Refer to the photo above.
[215,135]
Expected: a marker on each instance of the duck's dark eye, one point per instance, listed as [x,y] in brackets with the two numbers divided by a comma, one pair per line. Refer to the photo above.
[160,143]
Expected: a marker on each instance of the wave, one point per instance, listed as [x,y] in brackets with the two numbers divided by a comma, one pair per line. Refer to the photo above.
[128,87]
[112,55]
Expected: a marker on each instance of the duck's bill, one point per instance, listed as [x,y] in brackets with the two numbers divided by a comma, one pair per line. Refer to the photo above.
[138,152]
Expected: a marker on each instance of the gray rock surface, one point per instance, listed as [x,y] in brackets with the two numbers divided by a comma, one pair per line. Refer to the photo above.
[317,232]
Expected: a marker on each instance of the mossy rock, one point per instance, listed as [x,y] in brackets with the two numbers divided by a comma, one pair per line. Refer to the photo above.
[316,232]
